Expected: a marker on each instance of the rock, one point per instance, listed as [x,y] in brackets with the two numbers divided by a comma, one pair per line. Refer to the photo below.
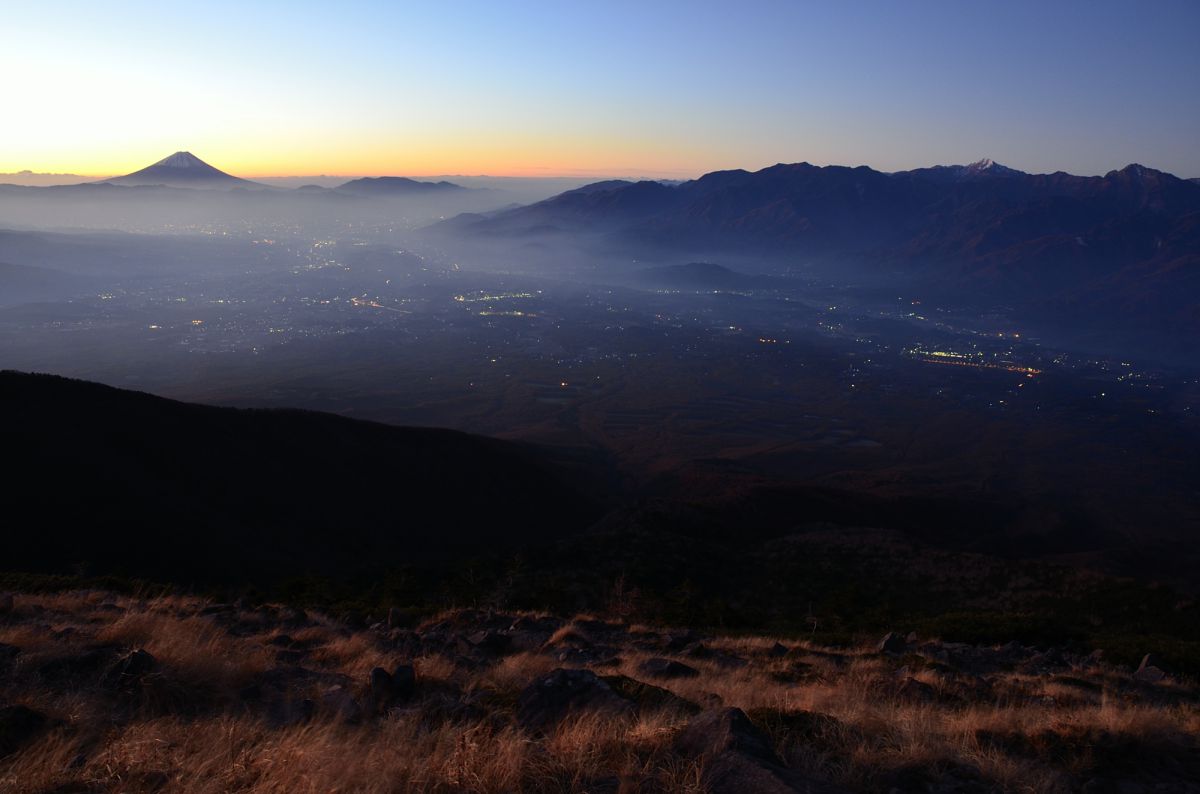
[133,667]
[339,701]
[386,690]
[19,725]
[488,642]
[404,681]
[720,730]
[916,691]
[738,757]
[647,696]
[1149,674]
[667,669]
[1153,660]
[563,693]
[6,603]
[777,650]
[293,616]
[892,643]
[679,641]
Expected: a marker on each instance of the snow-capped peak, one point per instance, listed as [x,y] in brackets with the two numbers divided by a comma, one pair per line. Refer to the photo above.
[182,160]
[989,166]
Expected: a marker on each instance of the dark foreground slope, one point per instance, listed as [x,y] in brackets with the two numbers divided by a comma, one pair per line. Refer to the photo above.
[115,481]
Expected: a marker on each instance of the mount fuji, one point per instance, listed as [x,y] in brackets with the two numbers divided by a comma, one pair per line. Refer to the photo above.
[186,170]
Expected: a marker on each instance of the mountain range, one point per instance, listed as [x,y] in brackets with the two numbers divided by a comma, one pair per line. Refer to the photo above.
[1126,243]
[184,170]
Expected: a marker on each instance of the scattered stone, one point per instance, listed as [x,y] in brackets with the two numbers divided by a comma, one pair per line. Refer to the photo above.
[1153,660]
[404,681]
[488,642]
[293,616]
[131,668]
[678,641]
[647,696]
[892,643]
[562,693]
[916,691]
[720,730]
[1151,670]
[338,700]
[667,669]
[738,757]
[19,725]
[386,690]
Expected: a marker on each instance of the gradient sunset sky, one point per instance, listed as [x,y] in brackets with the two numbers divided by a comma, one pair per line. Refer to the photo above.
[651,88]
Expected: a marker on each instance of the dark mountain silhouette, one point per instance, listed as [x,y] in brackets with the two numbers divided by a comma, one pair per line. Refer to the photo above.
[702,276]
[1060,245]
[184,169]
[395,186]
[116,481]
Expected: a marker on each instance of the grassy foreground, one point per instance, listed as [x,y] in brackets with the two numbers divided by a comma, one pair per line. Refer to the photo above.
[101,692]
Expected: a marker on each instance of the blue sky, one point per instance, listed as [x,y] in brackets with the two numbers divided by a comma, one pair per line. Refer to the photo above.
[656,88]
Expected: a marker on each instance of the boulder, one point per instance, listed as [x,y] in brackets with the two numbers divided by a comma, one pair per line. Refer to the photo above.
[133,667]
[722,730]
[738,758]
[680,640]
[339,701]
[915,691]
[1151,670]
[389,689]
[563,693]
[777,650]
[486,642]
[892,643]
[648,697]
[667,669]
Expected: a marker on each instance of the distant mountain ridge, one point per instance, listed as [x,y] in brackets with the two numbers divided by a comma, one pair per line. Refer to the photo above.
[394,185]
[1126,243]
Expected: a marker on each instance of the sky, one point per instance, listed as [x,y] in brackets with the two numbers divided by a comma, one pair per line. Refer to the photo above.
[650,88]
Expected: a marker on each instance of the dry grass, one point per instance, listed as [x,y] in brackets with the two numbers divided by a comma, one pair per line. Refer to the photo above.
[837,715]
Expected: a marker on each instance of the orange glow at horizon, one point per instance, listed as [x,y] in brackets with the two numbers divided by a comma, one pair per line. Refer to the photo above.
[512,158]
